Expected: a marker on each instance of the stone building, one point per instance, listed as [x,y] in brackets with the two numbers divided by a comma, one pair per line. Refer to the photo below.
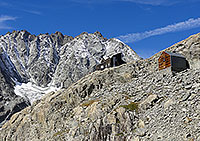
[115,60]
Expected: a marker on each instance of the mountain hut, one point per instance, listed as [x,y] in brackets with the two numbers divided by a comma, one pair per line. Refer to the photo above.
[115,60]
[173,61]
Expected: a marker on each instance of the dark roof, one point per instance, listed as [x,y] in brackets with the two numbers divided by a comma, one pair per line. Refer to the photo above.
[174,54]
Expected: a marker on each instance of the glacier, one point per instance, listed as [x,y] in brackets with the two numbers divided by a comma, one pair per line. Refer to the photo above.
[32,92]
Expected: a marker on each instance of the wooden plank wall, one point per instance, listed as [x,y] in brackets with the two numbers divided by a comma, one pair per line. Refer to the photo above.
[164,61]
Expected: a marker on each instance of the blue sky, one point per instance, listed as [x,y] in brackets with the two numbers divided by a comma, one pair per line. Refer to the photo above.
[147,26]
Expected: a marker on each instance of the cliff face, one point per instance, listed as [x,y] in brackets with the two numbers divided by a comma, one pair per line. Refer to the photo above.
[57,58]
[130,102]
[10,103]
[34,65]
[79,57]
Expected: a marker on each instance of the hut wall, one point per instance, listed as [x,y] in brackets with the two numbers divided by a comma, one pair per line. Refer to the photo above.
[178,63]
[164,61]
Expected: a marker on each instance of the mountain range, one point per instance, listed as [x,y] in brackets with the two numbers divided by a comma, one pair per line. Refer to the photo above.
[35,65]
[134,101]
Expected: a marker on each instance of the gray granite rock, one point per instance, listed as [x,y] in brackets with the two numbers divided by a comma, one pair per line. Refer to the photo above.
[9,102]
[57,58]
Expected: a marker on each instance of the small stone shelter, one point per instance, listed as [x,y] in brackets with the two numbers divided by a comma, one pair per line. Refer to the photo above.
[115,60]
[173,61]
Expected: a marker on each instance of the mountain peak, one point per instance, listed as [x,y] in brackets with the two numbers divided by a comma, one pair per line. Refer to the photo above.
[57,59]
[97,33]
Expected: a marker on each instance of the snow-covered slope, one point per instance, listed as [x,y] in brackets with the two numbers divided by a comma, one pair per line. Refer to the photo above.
[39,63]
[32,92]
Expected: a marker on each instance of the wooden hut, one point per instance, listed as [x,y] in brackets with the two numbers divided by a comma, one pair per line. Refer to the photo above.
[174,61]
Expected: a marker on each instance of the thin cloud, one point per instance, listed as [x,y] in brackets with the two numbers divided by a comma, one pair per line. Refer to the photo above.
[4,4]
[145,2]
[160,2]
[150,2]
[20,7]
[32,11]
[186,25]
[4,19]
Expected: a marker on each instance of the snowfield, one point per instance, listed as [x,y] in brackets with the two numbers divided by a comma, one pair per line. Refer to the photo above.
[32,92]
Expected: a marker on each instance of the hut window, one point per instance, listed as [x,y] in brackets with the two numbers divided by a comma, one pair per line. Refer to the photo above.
[163,59]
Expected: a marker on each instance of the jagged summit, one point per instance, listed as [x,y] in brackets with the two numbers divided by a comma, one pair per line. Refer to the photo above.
[28,52]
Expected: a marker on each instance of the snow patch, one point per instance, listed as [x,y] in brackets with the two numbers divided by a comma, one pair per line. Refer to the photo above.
[32,92]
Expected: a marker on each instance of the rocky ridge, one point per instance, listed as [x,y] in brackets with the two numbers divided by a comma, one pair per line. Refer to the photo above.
[190,48]
[130,102]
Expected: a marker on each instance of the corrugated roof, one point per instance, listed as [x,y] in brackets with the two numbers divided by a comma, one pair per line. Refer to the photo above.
[175,54]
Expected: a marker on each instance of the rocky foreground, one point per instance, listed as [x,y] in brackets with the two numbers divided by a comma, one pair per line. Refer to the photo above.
[121,103]
[130,102]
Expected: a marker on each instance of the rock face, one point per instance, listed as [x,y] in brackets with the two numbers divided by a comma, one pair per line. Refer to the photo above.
[10,103]
[34,57]
[130,102]
[34,65]
[79,57]
[57,58]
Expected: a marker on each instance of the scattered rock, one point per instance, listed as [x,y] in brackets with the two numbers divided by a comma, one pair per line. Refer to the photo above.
[168,103]
[141,124]
[149,101]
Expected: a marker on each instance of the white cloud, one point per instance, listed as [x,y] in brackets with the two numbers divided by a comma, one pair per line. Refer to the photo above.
[146,2]
[160,2]
[150,2]
[186,25]
[32,11]
[20,7]
[4,19]
[5,4]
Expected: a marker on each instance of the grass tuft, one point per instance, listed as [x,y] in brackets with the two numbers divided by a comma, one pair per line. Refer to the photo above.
[131,107]
[90,102]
